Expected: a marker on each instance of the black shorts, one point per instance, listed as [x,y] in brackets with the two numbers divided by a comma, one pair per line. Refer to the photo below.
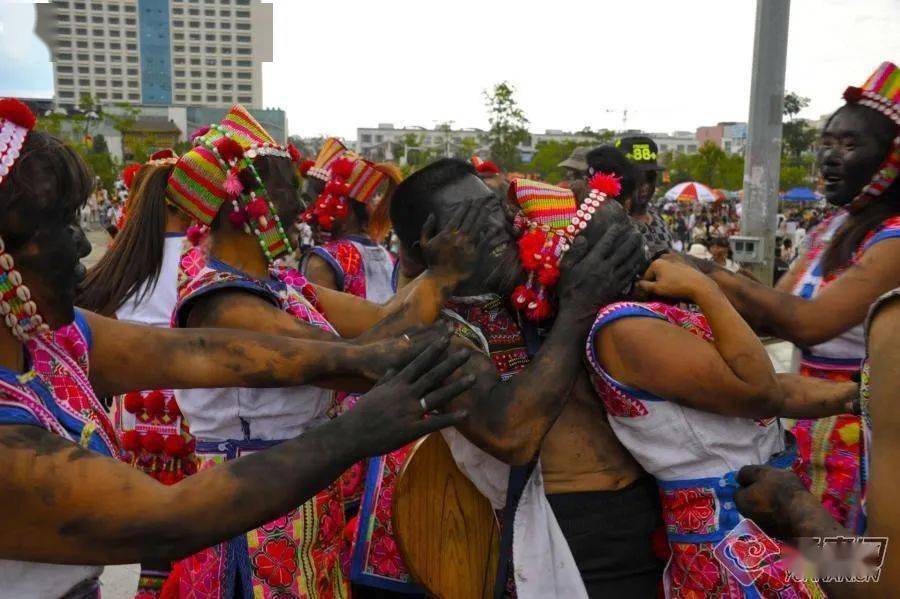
[609,534]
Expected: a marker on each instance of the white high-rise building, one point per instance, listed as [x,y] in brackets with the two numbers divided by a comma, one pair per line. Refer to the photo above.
[158,52]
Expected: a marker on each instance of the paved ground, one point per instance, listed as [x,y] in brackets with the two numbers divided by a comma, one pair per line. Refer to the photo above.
[119,582]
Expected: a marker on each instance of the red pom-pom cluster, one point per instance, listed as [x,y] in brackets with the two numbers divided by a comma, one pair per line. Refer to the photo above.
[486,167]
[606,183]
[165,154]
[305,166]
[128,174]
[539,253]
[853,94]
[166,457]
[13,109]
[294,153]
[333,204]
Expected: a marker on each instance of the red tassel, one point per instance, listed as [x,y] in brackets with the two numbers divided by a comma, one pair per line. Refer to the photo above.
[606,183]
[539,309]
[305,166]
[172,408]
[131,440]
[128,174]
[522,296]
[152,442]
[336,188]
[487,168]
[13,109]
[258,207]
[326,221]
[341,209]
[548,275]
[237,218]
[530,246]
[342,167]
[133,402]
[195,234]
[154,404]
[228,149]
[295,153]
[233,186]
[174,445]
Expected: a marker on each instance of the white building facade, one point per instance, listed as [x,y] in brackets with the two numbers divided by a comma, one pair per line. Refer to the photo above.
[158,52]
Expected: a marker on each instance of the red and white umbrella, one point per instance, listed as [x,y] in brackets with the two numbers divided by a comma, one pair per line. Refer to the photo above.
[691,191]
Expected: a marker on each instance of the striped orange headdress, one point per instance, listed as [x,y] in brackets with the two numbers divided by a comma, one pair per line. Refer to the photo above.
[550,219]
[347,176]
[219,169]
[880,92]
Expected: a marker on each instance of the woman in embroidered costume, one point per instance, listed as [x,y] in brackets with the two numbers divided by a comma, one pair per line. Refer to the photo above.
[136,281]
[850,260]
[778,501]
[66,500]
[692,422]
[349,203]
[242,185]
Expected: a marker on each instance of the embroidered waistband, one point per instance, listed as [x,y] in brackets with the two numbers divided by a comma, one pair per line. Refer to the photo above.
[702,510]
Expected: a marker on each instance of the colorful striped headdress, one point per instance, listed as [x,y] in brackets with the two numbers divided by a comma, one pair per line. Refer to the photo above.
[550,219]
[347,176]
[880,92]
[219,169]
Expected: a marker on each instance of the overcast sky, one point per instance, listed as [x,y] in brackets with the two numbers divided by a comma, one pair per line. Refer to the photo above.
[673,65]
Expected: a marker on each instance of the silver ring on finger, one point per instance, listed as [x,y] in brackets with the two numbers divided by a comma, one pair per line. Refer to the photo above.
[407,339]
[423,404]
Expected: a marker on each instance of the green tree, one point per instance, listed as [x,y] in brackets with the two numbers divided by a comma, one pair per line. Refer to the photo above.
[508,126]
[548,156]
[797,135]
[793,104]
[467,148]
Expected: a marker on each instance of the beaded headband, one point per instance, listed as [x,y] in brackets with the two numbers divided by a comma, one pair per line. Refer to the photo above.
[880,92]
[347,176]
[18,310]
[552,219]
[219,168]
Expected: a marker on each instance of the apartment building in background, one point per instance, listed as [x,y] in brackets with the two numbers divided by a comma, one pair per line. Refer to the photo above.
[158,52]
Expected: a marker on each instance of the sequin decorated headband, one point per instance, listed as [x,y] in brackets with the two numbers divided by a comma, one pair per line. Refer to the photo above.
[347,176]
[551,219]
[880,92]
[17,308]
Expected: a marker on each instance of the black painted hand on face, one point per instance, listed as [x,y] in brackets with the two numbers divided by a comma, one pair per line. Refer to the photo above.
[854,144]
[497,267]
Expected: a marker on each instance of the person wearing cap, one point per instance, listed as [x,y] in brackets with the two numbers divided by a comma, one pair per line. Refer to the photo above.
[576,164]
[642,152]
[608,159]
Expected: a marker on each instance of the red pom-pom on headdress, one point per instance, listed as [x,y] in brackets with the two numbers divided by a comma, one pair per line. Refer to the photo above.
[853,94]
[606,183]
[305,166]
[228,149]
[163,154]
[128,174]
[531,245]
[13,109]
[486,167]
[295,153]
[342,167]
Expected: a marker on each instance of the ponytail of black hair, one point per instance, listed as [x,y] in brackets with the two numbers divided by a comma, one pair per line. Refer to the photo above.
[133,262]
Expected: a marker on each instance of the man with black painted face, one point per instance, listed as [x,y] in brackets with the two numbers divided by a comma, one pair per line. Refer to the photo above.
[847,263]
[532,396]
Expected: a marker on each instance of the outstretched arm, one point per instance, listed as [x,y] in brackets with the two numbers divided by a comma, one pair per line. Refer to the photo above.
[840,306]
[63,504]
[128,357]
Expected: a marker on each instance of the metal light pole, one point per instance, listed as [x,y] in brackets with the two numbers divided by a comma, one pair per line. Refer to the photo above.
[762,167]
